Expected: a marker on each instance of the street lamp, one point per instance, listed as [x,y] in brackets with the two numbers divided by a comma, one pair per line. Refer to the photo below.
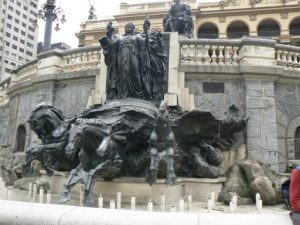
[49,13]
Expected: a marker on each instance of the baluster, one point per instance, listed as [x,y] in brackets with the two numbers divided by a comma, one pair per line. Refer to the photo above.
[289,59]
[192,54]
[278,57]
[235,55]
[184,54]
[213,56]
[206,55]
[199,55]
[221,55]
[227,55]
[284,58]
[294,60]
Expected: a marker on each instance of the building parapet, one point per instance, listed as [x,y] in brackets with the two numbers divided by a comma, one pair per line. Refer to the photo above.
[245,51]
[58,61]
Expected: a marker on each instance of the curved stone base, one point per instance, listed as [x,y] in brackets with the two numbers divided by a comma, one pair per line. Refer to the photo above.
[199,188]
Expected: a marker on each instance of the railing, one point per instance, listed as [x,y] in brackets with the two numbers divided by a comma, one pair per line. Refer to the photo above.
[287,56]
[79,59]
[25,72]
[209,52]
[87,58]
[152,6]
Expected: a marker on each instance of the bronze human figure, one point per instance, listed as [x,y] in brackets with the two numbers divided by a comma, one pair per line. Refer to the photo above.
[179,19]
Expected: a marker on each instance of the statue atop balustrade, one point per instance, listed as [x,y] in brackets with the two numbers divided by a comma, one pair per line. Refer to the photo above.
[179,19]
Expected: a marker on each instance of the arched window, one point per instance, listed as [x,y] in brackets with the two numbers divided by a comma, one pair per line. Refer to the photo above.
[268,28]
[297,143]
[21,138]
[208,30]
[237,29]
[294,28]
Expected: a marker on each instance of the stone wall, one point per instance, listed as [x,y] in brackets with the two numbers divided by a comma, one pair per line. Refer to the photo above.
[70,96]
[287,96]
[217,103]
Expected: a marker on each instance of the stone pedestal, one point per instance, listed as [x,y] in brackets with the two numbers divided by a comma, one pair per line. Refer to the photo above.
[199,188]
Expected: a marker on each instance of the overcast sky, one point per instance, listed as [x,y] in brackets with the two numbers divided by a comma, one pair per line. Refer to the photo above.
[77,12]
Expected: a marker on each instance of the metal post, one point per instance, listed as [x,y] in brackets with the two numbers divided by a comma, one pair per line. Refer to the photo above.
[49,16]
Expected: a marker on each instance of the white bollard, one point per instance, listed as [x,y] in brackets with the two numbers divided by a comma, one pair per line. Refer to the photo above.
[259,206]
[150,205]
[163,202]
[49,197]
[119,200]
[212,197]
[173,208]
[41,195]
[30,190]
[5,193]
[9,194]
[112,204]
[34,195]
[234,200]
[100,201]
[181,204]
[132,202]
[209,205]
[189,206]
[232,207]
[257,197]
[81,196]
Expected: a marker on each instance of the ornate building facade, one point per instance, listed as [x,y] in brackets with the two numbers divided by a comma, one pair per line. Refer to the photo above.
[230,19]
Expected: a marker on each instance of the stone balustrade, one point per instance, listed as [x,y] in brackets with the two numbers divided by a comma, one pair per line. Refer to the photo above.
[57,61]
[287,56]
[226,52]
[81,59]
[209,52]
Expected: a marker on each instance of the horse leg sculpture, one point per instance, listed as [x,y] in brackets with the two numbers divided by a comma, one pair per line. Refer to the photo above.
[151,177]
[70,182]
[171,177]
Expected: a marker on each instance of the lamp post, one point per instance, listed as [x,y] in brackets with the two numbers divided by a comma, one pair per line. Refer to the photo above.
[50,13]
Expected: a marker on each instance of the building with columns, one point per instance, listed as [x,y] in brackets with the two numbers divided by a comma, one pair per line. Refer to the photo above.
[229,19]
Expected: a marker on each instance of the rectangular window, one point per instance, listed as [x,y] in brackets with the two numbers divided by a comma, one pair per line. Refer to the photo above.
[9,16]
[19,4]
[22,41]
[7,70]
[31,28]
[24,16]
[17,21]
[7,44]
[10,8]
[33,4]
[16,29]
[20,58]
[14,47]
[8,25]
[30,36]
[32,13]
[7,34]
[12,1]
[25,8]
[18,12]
[13,64]
[21,49]
[29,53]
[23,33]
[30,45]
[15,38]
[24,25]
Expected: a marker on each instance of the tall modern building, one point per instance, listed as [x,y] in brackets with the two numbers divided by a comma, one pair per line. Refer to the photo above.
[18,34]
